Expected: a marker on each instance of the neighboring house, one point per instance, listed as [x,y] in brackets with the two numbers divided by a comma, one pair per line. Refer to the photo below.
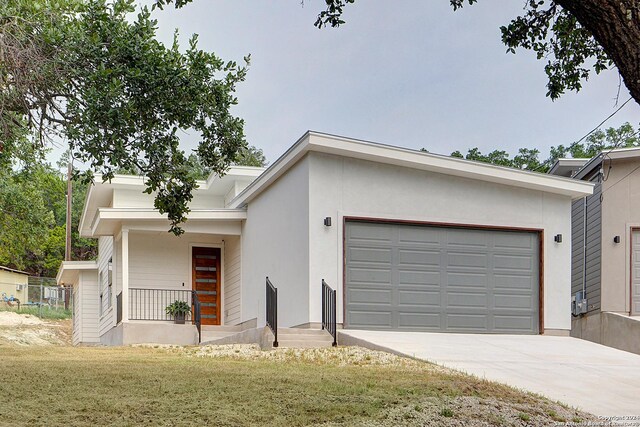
[606,264]
[410,241]
[13,283]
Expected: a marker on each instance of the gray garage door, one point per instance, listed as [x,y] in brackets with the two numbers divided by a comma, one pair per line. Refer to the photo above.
[423,278]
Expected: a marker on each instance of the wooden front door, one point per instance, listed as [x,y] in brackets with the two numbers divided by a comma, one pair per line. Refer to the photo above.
[206,281]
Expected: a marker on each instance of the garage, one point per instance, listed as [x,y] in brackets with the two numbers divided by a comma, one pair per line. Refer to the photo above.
[418,277]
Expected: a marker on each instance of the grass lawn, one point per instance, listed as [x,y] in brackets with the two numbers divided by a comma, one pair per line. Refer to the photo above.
[132,386]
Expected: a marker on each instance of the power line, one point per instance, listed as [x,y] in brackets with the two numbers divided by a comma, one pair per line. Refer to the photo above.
[604,121]
[543,164]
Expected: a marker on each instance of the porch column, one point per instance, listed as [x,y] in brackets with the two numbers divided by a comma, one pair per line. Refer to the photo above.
[125,275]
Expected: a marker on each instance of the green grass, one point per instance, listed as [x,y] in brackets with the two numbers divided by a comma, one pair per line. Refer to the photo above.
[45,312]
[44,386]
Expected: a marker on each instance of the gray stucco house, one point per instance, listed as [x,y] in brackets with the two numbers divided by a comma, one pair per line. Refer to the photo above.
[605,275]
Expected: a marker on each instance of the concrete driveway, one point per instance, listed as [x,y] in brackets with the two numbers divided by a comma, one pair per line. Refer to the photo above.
[592,377]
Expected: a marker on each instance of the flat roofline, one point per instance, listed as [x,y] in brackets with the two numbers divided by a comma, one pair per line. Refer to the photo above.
[382,153]
[13,270]
[71,267]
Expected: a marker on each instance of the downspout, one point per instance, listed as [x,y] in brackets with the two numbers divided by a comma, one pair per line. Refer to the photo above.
[584,250]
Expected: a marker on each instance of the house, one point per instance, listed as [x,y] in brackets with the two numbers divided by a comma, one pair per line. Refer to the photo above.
[13,283]
[606,248]
[408,240]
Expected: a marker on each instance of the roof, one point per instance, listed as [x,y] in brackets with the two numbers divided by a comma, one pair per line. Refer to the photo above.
[567,167]
[99,194]
[68,271]
[324,143]
[11,270]
[613,154]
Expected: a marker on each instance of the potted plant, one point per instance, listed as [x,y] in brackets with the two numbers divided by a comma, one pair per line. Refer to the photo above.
[178,309]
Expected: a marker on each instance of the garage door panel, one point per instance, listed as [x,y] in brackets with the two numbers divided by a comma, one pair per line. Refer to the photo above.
[466,300]
[426,278]
[370,255]
[467,280]
[441,279]
[419,321]
[370,233]
[513,262]
[514,282]
[512,324]
[467,322]
[513,302]
[510,240]
[466,260]
[421,298]
[372,319]
[370,295]
[423,237]
[421,258]
[466,238]
[368,275]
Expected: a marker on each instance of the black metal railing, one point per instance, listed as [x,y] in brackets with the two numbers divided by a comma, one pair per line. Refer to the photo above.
[151,304]
[119,308]
[196,314]
[329,311]
[272,310]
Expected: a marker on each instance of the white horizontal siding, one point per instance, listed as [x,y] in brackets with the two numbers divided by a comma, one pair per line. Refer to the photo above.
[232,278]
[76,336]
[90,307]
[105,253]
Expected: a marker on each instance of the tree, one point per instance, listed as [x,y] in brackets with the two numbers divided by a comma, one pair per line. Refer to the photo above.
[574,36]
[528,159]
[33,217]
[251,156]
[91,73]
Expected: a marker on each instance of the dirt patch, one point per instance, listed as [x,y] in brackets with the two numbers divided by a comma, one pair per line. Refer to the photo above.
[9,318]
[28,330]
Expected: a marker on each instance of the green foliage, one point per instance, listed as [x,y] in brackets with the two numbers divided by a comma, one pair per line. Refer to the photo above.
[251,156]
[178,307]
[528,159]
[95,73]
[446,412]
[24,220]
[33,219]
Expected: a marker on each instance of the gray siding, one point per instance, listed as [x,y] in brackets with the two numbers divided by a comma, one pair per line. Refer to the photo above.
[593,247]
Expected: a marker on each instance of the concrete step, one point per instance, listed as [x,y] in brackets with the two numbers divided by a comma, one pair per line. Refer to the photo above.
[302,331]
[303,343]
[214,335]
[221,328]
[303,338]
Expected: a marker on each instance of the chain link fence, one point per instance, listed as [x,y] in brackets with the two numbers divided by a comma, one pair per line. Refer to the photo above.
[41,297]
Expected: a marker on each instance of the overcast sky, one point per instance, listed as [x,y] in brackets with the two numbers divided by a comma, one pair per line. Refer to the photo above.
[411,73]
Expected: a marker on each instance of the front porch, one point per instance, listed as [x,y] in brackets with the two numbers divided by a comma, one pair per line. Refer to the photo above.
[155,270]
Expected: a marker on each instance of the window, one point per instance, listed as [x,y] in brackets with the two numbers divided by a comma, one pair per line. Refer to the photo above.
[100,306]
[110,283]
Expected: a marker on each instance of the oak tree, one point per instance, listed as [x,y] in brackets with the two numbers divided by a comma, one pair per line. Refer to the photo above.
[93,74]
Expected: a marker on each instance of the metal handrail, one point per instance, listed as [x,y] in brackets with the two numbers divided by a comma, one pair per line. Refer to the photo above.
[150,304]
[197,318]
[272,310]
[329,311]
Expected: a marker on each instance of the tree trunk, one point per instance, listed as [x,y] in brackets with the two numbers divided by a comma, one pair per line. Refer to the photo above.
[615,24]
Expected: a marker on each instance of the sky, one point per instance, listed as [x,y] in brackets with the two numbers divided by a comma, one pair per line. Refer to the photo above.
[410,73]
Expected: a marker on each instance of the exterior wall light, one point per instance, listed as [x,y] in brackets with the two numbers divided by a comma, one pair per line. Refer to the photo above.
[558,238]
[327,221]
[616,239]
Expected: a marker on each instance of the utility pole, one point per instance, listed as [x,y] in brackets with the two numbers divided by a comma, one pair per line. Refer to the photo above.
[67,247]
